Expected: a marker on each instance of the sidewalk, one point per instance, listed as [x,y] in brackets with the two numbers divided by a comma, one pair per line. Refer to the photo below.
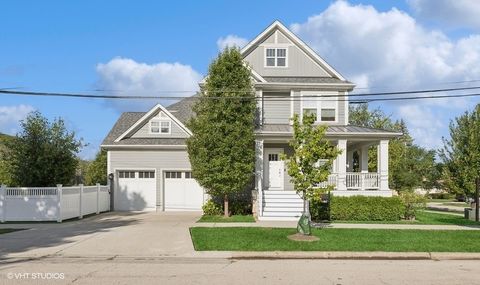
[279,224]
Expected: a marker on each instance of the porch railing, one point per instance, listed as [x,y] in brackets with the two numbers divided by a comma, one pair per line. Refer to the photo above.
[355,181]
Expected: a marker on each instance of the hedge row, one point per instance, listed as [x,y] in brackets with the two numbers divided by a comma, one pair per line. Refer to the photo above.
[362,208]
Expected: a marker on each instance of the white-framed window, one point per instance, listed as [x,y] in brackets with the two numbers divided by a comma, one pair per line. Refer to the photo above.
[126,174]
[160,126]
[146,174]
[325,109]
[173,174]
[275,57]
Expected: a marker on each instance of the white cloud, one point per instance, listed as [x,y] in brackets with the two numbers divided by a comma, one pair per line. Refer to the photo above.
[10,117]
[231,41]
[424,124]
[126,77]
[393,51]
[456,13]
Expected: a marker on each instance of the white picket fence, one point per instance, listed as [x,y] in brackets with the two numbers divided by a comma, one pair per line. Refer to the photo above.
[52,203]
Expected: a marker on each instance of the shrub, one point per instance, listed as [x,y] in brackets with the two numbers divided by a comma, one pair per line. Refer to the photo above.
[320,208]
[412,202]
[443,195]
[362,208]
[240,207]
[211,208]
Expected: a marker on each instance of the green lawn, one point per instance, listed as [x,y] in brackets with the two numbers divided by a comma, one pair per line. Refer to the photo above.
[231,219]
[275,239]
[6,231]
[424,218]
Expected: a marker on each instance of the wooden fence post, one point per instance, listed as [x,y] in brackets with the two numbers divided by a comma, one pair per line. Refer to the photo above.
[80,214]
[98,198]
[59,203]
[3,203]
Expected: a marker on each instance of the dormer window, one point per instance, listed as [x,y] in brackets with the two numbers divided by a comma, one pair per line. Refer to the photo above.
[160,127]
[276,57]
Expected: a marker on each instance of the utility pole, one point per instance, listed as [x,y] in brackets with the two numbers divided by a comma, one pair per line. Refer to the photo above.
[477,190]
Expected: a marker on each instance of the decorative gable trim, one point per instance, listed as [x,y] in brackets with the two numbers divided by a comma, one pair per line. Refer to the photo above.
[147,116]
[297,41]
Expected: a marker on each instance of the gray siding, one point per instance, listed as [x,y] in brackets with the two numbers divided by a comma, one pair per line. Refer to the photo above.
[144,132]
[341,108]
[299,64]
[288,151]
[160,160]
[276,112]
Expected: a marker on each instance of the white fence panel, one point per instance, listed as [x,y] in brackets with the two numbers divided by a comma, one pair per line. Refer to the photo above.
[52,203]
[30,204]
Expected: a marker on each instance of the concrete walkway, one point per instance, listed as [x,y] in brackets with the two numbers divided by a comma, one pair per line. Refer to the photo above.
[275,224]
[439,206]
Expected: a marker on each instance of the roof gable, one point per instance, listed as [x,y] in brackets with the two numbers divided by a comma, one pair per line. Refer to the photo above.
[278,34]
[157,109]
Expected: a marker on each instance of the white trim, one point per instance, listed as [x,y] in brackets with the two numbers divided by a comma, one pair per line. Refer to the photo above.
[276,48]
[347,110]
[295,40]
[160,121]
[144,146]
[147,115]
[292,111]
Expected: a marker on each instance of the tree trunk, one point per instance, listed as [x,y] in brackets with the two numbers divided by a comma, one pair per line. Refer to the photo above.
[225,205]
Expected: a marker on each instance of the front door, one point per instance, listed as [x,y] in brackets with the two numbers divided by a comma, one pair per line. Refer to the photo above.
[275,169]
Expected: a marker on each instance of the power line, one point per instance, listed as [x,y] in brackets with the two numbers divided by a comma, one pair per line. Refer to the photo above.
[265,98]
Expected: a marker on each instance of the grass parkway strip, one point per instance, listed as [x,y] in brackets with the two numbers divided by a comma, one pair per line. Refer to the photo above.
[275,239]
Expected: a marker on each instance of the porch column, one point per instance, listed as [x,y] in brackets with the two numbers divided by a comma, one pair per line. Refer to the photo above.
[382,164]
[364,159]
[259,176]
[342,165]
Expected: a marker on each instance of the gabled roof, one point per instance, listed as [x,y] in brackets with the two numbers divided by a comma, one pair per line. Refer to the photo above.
[277,25]
[146,117]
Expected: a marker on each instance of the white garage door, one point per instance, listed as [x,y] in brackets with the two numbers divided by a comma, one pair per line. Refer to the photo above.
[182,192]
[136,190]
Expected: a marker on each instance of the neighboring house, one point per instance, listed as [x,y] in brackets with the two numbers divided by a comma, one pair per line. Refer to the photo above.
[147,151]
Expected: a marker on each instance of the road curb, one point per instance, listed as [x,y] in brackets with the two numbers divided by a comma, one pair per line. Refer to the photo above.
[378,255]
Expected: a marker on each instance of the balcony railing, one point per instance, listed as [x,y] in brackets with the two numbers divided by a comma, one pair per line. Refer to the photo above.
[355,181]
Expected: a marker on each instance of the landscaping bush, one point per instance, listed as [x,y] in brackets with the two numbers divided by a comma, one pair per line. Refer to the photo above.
[320,208]
[362,208]
[444,195]
[412,202]
[211,208]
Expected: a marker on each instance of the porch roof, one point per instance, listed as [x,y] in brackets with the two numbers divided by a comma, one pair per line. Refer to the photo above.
[332,131]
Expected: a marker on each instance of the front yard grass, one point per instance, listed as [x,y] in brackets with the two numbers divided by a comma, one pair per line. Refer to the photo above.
[231,219]
[275,239]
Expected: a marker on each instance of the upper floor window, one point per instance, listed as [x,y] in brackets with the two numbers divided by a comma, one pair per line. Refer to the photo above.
[276,57]
[160,127]
[324,110]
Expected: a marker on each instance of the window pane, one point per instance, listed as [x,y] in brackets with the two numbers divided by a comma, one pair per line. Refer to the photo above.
[132,174]
[328,115]
[281,52]
[179,175]
[152,174]
[271,61]
[270,52]
[310,111]
[167,174]
[165,127]
[281,62]
[188,175]
[154,123]
[121,174]
[140,174]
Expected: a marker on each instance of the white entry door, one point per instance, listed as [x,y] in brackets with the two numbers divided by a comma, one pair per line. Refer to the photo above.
[275,169]
[182,191]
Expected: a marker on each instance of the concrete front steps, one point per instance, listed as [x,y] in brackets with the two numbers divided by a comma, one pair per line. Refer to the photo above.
[280,205]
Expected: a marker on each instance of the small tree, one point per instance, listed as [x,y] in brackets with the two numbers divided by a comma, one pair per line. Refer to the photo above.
[97,169]
[310,164]
[43,153]
[221,148]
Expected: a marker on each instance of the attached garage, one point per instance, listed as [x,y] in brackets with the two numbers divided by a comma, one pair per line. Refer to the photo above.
[182,192]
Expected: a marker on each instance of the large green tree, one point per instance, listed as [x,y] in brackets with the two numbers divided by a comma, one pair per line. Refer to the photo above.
[221,148]
[310,163]
[97,169]
[43,153]
[461,153]
[409,165]
[5,177]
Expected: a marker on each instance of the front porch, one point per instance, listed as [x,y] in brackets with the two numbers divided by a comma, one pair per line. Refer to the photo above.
[276,196]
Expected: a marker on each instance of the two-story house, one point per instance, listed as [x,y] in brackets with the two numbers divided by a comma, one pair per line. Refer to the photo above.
[148,157]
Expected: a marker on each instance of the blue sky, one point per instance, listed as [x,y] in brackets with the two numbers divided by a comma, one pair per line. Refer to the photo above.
[138,46]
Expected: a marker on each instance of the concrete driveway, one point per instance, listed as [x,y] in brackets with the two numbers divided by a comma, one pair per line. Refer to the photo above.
[106,235]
